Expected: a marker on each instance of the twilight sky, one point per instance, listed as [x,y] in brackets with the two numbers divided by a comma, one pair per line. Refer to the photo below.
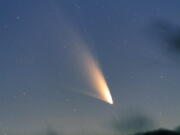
[40,80]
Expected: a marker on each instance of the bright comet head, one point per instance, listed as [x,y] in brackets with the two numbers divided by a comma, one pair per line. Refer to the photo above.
[109,97]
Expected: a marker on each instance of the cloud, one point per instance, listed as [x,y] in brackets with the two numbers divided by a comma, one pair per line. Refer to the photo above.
[168,36]
[177,129]
[160,132]
[133,122]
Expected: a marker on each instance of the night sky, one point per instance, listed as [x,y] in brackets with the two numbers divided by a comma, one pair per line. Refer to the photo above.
[40,79]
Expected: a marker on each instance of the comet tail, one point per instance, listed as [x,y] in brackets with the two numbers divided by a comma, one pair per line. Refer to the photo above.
[95,76]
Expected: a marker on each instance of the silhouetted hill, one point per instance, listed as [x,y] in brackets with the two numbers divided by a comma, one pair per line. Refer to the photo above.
[160,132]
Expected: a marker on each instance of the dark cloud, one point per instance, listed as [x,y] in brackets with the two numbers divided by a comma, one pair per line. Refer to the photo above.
[52,132]
[160,132]
[168,33]
[178,128]
[133,122]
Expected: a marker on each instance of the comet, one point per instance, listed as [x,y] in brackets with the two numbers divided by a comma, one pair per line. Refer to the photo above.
[86,60]
[94,75]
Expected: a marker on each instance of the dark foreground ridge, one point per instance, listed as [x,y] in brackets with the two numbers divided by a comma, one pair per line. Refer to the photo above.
[160,132]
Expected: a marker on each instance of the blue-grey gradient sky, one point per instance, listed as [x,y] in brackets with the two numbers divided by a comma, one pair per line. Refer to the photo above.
[39,78]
